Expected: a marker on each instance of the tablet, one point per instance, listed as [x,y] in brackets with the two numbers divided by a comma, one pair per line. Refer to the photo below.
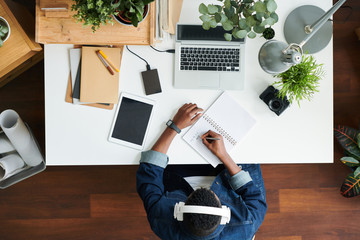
[131,121]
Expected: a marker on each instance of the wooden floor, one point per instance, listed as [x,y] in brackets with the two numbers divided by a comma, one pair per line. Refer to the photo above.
[101,202]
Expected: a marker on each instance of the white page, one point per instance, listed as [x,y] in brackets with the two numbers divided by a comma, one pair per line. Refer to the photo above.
[226,117]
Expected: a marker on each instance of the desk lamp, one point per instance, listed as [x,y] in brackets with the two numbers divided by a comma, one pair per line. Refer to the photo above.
[276,57]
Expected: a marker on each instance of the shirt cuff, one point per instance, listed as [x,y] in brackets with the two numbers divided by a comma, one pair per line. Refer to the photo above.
[240,179]
[155,158]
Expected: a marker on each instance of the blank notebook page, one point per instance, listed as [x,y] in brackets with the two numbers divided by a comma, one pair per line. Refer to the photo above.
[226,117]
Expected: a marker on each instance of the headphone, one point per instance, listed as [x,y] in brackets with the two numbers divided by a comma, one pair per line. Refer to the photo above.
[180,208]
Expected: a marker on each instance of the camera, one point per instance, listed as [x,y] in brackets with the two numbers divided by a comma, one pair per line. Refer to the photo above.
[275,103]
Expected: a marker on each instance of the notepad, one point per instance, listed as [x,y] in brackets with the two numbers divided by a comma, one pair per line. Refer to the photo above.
[226,117]
[97,84]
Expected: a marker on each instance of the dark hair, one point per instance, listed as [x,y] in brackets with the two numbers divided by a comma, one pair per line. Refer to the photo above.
[202,224]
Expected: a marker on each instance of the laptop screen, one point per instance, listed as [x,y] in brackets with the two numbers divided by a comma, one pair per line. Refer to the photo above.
[196,32]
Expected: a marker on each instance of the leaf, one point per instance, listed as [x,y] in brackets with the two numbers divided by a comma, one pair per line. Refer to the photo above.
[227,4]
[350,161]
[358,139]
[206,25]
[259,16]
[4,29]
[227,25]
[217,17]
[223,18]
[346,136]
[213,23]
[1,42]
[357,172]
[205,18]
[212,9]
[247,1]
[274,16]
[203,9]
[269,21]
[271,6]
[242,23]
[228,36]
[351,186]
[251,35]
[229,12]
[240,34]
[259,29]
[250,21]
[234,4]
[260,7]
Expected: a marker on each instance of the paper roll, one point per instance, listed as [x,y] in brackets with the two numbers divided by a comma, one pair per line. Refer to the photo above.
[9,164]
[18,134]
[5,144]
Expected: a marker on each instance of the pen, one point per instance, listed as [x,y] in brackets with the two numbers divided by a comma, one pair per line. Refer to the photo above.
[211,138]
[108,60]
[104,62]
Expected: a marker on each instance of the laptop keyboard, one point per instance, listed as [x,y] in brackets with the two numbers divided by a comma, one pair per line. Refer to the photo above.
[209,59]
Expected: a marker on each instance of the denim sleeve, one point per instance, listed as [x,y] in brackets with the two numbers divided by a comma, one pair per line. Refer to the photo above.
[149,178]
[250,186]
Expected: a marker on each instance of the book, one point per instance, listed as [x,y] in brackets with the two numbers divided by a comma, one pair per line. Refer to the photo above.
[226,117]
[97,85]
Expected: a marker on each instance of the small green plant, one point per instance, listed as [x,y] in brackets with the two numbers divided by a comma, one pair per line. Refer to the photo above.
[3,32]
[240,17]
[94,12]
[133,10]
[301,81]
[349,139]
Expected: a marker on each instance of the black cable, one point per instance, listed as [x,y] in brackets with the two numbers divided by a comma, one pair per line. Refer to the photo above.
[168,50]
[147,64]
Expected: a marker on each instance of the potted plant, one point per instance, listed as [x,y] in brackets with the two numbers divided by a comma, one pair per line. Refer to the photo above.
[94,12]
[240,17]
[349,139]
[132,12]
[4,31]
[301,81]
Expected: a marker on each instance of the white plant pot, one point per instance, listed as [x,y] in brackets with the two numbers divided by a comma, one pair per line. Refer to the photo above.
[3,20]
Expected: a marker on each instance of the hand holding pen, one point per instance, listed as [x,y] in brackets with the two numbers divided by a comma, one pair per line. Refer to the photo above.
[215,143]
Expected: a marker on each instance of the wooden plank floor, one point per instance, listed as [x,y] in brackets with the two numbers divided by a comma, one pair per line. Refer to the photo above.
[101,202]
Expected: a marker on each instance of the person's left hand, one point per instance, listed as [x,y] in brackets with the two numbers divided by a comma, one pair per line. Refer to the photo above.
[187,115]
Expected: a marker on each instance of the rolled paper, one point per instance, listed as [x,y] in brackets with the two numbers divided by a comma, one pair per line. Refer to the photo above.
[9,164]
[20,137]
[5,144]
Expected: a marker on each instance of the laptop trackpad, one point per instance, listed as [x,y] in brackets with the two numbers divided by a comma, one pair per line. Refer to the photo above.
[210,80]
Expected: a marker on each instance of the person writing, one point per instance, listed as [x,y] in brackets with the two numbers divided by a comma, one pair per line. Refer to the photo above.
[199,202]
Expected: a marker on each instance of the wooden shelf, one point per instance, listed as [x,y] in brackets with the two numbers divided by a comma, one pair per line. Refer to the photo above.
[66,30]
[20,51]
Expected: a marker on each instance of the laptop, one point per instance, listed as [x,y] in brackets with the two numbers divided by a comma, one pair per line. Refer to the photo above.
[204,59]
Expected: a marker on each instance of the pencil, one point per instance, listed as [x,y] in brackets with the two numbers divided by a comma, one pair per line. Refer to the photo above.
[108,60]
[104,62]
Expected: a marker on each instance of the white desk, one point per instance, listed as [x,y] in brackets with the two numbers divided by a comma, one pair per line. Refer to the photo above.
[77,135]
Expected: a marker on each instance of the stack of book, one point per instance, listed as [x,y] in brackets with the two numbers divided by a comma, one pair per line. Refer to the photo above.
[94,76]
[168,14]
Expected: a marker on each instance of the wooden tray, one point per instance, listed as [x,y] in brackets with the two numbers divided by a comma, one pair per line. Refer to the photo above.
[64,29]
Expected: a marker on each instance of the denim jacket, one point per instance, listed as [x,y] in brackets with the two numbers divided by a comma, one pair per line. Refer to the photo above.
[243,193]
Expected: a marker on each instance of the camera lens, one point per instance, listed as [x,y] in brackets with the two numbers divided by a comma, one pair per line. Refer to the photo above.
[274,104]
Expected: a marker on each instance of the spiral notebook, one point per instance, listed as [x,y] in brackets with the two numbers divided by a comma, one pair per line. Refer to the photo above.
[226,117]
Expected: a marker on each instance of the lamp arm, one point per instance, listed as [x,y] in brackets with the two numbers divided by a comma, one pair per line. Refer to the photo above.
[320,22]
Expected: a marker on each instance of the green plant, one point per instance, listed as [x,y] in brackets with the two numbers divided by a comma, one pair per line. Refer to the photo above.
[94,12]
[241,17]
[349,139]
[133,10]
[301,81]
[3,32]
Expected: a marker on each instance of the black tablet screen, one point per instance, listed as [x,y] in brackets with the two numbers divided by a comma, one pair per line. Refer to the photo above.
[132,120]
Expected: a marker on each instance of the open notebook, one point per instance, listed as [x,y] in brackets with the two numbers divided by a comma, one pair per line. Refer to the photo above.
[226,117]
